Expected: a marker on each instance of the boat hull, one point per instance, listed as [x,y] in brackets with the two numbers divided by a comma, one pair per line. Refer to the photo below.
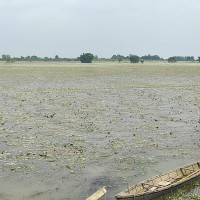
[157,194]
[164,190]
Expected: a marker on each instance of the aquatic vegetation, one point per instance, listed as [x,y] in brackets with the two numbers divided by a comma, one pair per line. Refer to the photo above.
[59,123]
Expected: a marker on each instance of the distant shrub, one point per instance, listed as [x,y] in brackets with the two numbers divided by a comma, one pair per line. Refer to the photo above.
[142,61]
[199,59]
[6,58]
[134,58]
[119,59]
[86,57]
[184,58]
[172,59]
[151,57]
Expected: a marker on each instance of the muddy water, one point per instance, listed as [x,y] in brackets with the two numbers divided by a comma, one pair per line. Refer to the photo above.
[68,129]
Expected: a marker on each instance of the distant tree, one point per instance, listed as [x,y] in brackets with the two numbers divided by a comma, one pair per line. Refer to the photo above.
[86,57]
[6,58]
[34,58]
[119,59]
[199,59]
[184,58]
[134,58]
[28,58]
[151,57]
[12,60]
[142,60]
[172,59]
[189,58]
[114,57]
[96,57]
[180,58]
[56,57]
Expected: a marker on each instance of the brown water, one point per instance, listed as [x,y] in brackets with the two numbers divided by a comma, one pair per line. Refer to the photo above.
[67,129]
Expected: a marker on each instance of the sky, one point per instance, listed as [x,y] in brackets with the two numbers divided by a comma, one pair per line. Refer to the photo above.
[69,28]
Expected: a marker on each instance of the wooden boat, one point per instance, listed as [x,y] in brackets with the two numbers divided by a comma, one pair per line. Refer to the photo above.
[161,184]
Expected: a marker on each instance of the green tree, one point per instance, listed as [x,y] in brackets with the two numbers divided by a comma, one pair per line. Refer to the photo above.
[151,57]
[28,58]
[6,58]
[189,58]
[57,57]
[12,60]
[86,58]
[199,59]
[96,57]
[114,57]
[119,59]
[134,58]
[172,59]
[34,58]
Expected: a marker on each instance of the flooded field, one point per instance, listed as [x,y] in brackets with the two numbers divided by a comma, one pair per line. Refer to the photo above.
[67,129]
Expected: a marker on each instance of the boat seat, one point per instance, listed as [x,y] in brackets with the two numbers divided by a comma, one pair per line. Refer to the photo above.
[153,188]
[147,186]
[163,183]
[191,170]
[183,170]
[177,178]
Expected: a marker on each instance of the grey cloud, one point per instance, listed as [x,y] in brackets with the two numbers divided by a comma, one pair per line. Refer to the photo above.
[70,27]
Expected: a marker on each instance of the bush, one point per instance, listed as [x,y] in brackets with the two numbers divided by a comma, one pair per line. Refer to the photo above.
[120,59]
[6,58]
[134,59]
[172,59]
[86,57]
[199,59]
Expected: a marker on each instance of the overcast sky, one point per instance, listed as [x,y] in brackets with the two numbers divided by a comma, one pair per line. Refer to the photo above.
[69,28]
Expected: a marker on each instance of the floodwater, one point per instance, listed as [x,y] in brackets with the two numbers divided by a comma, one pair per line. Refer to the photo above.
[67,129]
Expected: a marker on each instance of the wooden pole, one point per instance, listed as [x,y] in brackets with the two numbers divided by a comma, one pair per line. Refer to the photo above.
[98,194]
[128,188]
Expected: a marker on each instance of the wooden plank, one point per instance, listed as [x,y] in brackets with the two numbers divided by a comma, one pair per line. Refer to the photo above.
[163,183]
[98,194]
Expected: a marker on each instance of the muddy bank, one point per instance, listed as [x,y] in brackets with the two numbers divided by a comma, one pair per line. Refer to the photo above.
[68,129]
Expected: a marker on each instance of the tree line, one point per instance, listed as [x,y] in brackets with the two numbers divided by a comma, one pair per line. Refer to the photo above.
[146,57]
[34,58]
[89,57]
